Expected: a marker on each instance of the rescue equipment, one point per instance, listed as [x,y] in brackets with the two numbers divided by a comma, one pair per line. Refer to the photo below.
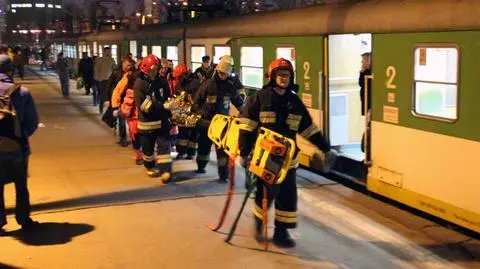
[181,109]
[271,158]
[222,131]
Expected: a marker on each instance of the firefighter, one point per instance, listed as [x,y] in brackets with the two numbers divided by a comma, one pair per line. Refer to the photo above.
[234,78]
[185,81]
[278,108]
[153,119]
[214,97]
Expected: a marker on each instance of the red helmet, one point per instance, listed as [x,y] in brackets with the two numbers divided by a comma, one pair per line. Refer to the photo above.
[180,70]
[149,62]
[279,63]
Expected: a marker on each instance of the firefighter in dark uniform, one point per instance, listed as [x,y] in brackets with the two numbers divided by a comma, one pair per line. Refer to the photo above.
[234,78]
[205,71]
[278,108]
[187,136]
[214,97]
[153,119]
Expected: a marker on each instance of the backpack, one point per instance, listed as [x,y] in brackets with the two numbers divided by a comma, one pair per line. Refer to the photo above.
[10,129]
[128,104]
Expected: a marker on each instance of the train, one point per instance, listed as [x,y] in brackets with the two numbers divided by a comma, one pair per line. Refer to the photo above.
[424,135]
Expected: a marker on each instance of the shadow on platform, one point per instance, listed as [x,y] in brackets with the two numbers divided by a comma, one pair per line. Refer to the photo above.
[171,191]
[6,266]
[51,233]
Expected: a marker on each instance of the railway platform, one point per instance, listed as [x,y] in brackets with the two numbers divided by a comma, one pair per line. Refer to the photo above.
[100,210]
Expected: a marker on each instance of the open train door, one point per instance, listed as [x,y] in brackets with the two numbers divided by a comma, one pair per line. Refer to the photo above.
[345,117]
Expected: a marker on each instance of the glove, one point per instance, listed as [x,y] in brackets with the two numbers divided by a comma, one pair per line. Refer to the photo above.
[329,161]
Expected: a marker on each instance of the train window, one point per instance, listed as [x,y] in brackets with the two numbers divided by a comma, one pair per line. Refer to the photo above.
[157,51]
[251,65]
[197,52]
[95,48]
[144,51]
[74,51]
[436,82]
[172,54]
[287,53]
[133,48]
[100,51]
[114,50]
[89,52]
[219,51]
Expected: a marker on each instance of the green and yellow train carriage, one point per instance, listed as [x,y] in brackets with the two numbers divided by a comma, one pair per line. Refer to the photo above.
[425,130]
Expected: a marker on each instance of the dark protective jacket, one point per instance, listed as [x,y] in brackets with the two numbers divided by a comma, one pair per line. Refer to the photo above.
[204,74]
[284,114]
[26,114]
[149,99]
[361,83]
[214,97]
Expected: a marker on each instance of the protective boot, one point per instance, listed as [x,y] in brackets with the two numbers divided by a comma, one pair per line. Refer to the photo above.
[153,172]
[282,238]
[165,177]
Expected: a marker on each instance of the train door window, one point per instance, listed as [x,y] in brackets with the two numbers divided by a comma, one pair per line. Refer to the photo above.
[74,51]
[197,52]
[144,51]
[219,51]
[436,82]
[95,48]
[114,50]
[251,66]
[289,54]
[346,120]
[133,48]
[172,54]
[157,51]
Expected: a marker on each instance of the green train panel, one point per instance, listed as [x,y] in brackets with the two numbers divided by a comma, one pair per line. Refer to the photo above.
[426,128]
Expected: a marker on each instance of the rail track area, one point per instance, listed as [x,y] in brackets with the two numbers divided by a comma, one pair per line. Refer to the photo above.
[99,210]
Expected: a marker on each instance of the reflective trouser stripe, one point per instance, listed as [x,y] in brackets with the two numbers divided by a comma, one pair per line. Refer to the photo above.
[148,158]
[257,211]
[192,144]
[182,142]
[164,158]
[285,216]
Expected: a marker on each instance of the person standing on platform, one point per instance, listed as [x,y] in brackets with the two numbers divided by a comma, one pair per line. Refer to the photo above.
[18,121]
